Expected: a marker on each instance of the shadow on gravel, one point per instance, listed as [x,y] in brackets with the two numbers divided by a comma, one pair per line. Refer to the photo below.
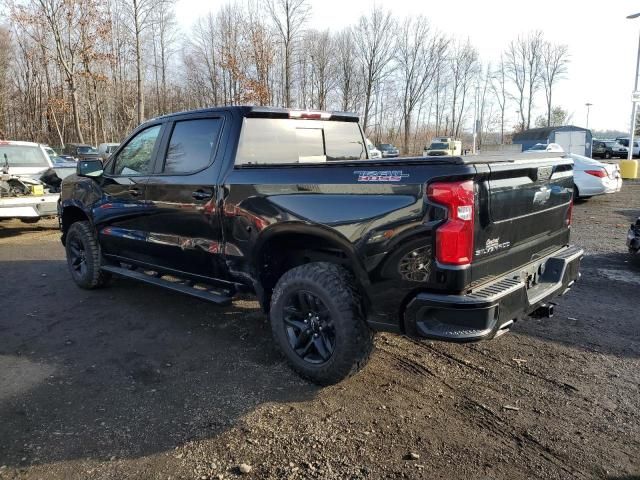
[15,228]
[125,371]
[631,214]
[597,314]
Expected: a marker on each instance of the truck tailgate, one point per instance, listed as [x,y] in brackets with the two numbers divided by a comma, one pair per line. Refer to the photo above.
[523,213]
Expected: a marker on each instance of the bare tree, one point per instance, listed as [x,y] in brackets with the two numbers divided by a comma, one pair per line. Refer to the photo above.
[419,55]
[374,39]
[140,14]
[348,78]
[464,67]
[323,67]
[5,60]
[555,59]
[165,30]
[524,68]
[499,89]
[289,17]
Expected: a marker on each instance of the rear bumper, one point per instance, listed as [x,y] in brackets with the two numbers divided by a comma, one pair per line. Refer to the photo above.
[485,311]
[29,206]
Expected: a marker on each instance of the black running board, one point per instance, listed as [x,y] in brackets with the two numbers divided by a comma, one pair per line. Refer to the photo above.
[179,286]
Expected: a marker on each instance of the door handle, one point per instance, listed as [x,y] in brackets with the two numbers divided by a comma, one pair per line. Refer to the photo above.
[134,192]
[202,195]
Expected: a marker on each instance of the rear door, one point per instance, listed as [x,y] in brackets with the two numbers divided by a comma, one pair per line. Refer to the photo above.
[523,209]
[184,224]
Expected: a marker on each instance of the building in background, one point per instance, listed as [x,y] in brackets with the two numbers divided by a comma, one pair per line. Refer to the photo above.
[571,138]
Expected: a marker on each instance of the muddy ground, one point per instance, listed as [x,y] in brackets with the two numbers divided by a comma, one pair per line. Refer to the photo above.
[135,382]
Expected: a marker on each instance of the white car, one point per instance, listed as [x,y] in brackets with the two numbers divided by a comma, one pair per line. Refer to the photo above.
[544,147]
[591,177]
[374,153]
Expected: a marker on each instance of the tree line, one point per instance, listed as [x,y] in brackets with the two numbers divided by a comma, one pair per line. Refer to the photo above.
[91,70]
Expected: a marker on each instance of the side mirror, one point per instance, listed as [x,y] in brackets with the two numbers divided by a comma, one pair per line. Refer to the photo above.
[89,168]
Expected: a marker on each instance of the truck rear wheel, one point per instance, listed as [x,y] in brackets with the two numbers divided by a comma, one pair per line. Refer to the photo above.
[83,256]
[317,321]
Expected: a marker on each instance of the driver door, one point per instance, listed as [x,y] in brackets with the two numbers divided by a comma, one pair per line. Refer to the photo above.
[121,219]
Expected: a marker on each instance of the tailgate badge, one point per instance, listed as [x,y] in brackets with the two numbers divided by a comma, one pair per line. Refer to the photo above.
[380,176]
[492,245]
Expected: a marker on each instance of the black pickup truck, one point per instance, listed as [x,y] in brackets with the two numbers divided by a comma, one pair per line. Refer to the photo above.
[286,205]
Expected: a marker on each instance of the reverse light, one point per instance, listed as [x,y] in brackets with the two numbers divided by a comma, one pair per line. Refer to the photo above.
[454,238]
[307,115]
[596,173]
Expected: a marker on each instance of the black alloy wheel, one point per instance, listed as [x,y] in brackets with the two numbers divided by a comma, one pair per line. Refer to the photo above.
[77,257]
[309,327]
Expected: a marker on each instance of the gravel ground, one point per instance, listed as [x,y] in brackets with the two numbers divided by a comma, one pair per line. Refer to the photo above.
[135,382]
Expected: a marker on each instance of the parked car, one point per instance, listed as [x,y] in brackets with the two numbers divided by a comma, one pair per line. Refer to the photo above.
[545,147]
[373,151]
[608,149]
[442,146]
[591,177]
[388,150]
[80,151]
[220,202]
[106,149]
[624,141]
[23,192]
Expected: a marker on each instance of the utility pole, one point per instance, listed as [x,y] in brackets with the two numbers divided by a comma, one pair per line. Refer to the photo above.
[588,105]
[635,89]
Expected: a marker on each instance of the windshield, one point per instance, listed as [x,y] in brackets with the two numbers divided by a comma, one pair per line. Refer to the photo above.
[23,156]
[439,146]
[282,140]
[386,146]
[539,146]
[611,144]
[86,149]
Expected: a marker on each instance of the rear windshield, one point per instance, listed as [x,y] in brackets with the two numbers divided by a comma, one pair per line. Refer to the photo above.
[86,150]
[22,156]
[439,146]
[282,140]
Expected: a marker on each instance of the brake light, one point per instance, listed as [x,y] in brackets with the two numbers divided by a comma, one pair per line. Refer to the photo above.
[454,238]
[596,173]
[307,115]
[569,214]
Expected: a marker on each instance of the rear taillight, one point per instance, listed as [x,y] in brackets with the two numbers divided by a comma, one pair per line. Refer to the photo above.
[454,238]
[569,214]
[596,173]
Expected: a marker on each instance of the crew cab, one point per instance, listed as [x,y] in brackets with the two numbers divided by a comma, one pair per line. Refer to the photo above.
[286,205]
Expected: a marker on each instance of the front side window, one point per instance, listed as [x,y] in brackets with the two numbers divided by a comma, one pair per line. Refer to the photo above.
[192,145]
[281,140]
[136,157]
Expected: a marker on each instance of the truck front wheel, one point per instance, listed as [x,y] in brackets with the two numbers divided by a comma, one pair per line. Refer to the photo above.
[317,321]
[83,256]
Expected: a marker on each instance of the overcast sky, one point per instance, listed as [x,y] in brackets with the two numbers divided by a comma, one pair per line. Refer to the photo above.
[602,43]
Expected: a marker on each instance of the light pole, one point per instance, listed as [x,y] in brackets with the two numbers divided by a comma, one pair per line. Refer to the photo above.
[635,89]
[588,105]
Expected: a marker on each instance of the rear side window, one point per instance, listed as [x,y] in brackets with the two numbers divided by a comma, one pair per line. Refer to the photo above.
[192,145]
[281,140]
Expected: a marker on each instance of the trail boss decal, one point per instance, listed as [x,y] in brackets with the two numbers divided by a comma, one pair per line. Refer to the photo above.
[493,245]
[380,176]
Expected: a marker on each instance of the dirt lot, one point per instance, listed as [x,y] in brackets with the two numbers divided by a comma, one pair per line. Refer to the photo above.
[134,382]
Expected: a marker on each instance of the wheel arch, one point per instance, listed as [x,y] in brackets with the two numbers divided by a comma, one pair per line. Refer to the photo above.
[285,246]
[71,212]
